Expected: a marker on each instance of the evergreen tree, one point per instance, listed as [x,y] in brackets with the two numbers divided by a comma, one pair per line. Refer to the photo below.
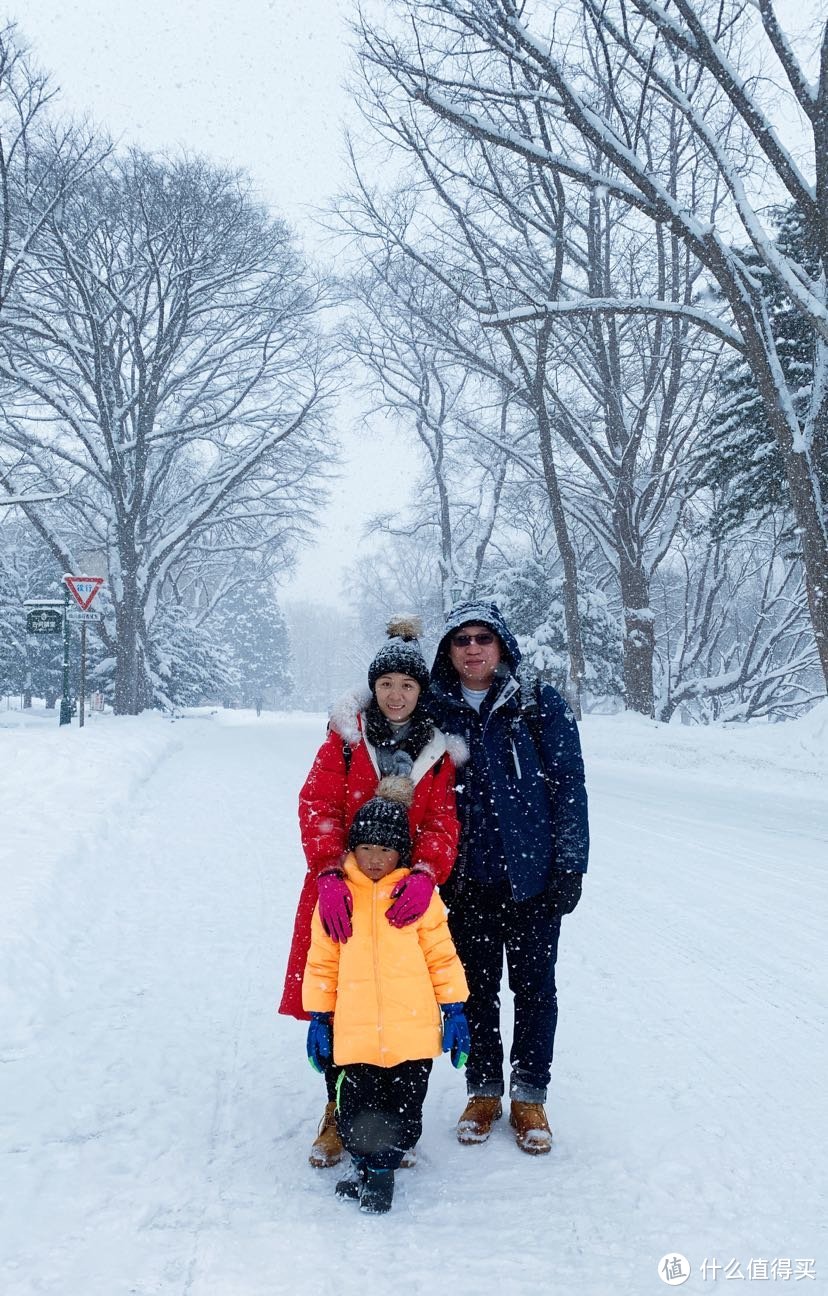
[530,596]
[738,455]
[190,664]
[252,630]
[30,665]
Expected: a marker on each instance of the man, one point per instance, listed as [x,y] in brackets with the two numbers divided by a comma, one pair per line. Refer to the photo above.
[523,852]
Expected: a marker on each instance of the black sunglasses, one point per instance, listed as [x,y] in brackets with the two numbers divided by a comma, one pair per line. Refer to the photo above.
[463,640]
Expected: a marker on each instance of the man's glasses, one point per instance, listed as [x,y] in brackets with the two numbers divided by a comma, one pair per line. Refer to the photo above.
[463,640]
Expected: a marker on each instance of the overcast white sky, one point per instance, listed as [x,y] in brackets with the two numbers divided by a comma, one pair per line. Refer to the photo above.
[258,84]
[253,83]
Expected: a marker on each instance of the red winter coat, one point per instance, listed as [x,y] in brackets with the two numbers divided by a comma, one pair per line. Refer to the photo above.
[331,797]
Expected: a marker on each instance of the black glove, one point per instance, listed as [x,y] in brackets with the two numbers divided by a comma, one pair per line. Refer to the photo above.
[564,892]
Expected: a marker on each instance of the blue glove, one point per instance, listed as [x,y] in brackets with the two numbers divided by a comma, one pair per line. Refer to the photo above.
[320,1040]
[456,1037]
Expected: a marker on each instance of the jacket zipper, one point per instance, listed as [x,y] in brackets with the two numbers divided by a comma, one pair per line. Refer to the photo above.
[374,930]
[510,688]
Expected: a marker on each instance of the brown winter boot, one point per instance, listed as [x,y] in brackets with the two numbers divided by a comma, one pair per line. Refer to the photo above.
[327,1149]
[475,1125]
[532,1132]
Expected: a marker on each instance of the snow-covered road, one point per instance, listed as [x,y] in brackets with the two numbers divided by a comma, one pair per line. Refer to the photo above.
[155,1113]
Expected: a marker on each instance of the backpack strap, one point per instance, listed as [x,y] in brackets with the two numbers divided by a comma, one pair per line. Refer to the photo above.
[347,749]
[530,712]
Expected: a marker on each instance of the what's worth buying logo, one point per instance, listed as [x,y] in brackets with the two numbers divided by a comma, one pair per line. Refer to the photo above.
[674,1269]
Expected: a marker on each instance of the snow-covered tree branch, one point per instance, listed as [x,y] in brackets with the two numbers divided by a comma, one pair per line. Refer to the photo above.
[164,360]
[573,91]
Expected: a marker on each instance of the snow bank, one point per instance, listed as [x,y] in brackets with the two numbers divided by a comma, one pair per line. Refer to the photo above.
[736,754]
[61,791]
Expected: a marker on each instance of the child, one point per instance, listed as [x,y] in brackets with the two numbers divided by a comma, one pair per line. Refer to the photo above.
[383,731]
[373,1001]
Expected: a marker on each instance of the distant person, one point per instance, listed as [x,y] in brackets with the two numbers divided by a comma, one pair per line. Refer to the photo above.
[523,853]
[258,706]
[379,732]
[375,1001]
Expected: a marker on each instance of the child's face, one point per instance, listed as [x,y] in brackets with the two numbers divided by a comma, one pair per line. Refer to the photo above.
[376,861]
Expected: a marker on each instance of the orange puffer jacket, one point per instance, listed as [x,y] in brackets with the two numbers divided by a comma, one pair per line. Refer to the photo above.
[385,983]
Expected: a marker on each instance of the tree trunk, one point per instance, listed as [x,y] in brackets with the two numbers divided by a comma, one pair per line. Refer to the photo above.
[572,619]
[639,638]
[806,506]
[130,671]
[800,473]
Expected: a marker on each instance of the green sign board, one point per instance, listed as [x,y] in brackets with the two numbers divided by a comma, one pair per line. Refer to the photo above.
[44,621]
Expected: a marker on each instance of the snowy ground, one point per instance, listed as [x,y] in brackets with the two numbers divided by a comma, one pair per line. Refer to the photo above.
[155,1113]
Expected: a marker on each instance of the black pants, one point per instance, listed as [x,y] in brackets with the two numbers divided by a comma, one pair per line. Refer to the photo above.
[380,1110]
[485,921]
[331,1080]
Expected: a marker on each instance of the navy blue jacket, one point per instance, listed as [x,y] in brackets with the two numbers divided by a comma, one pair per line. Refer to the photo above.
[522,802]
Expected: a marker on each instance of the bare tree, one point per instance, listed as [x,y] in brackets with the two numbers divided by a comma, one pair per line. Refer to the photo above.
[457,257]
[410,378]
[165,364]
[40,159]
[737,643]
[616,401]
[330,654]
[531,91]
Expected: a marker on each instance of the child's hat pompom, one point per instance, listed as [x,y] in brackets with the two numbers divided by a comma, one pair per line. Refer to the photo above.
[396,787]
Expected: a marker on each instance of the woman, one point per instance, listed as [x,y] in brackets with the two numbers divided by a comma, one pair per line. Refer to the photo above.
[383,732]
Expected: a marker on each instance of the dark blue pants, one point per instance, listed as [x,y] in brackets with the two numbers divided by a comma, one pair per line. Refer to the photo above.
[485,921]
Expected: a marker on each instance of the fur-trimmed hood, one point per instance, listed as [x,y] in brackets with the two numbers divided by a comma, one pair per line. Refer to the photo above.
[346,713]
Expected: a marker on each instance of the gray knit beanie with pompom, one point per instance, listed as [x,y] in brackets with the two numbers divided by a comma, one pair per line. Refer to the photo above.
[383,821]
[402,653]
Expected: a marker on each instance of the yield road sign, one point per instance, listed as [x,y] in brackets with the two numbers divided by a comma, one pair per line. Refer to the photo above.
[75,615]
[83,589]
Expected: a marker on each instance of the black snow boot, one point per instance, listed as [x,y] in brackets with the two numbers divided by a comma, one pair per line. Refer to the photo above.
[377,1192]
[350,1188]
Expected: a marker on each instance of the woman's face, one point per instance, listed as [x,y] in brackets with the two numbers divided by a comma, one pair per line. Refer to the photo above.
[396,695]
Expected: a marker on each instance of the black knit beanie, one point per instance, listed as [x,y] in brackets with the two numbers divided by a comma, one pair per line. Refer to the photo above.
[402,653]
[383,821]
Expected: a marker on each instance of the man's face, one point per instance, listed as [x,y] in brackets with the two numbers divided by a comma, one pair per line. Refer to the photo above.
[475,655]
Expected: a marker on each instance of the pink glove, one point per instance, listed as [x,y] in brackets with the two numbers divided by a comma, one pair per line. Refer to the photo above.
[412,897]
[335,906]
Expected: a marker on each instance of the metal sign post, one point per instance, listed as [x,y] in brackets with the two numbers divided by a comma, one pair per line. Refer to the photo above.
[82,619]
[65,707]
[82,675]
[83,590]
